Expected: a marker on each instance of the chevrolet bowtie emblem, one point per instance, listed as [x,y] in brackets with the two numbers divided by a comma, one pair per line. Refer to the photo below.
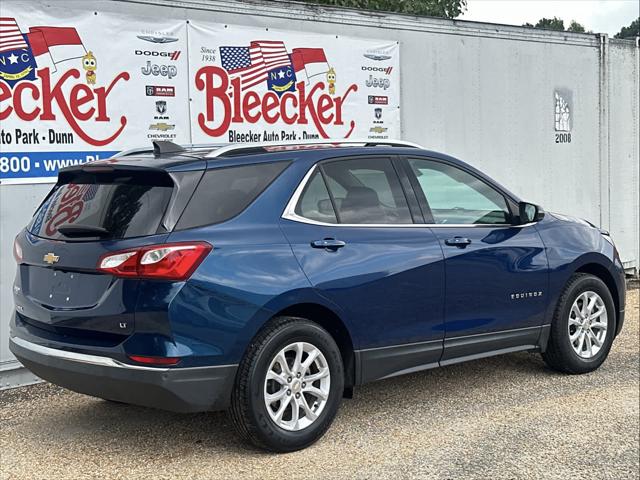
[51,258]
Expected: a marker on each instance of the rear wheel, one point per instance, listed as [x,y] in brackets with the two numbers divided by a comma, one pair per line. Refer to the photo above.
[583,326]
[289,385]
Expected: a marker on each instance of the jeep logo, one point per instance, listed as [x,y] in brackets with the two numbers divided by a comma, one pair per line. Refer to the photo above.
[168,71]
[383,83]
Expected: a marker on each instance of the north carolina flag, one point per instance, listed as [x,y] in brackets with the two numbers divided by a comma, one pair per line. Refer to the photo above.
[309,62]
[52,45]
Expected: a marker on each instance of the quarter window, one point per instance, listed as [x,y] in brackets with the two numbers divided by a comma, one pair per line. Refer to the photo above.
[315,203]
[225,192]
[457,197]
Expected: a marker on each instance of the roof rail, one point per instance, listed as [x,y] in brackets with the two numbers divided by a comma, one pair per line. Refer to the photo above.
[238,148]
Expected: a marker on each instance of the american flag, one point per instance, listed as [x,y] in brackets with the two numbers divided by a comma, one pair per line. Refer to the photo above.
[10,36]
[90,192]
[252,63]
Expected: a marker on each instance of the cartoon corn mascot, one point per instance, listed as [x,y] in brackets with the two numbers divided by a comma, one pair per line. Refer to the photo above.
[89,63]
[331,80]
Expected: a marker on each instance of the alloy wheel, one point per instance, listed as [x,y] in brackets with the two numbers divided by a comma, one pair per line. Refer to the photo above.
[588,323]
[297,385]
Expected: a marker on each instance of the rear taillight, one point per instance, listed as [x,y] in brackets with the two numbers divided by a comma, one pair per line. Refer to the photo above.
[169,261]
[156,361]
[17,251]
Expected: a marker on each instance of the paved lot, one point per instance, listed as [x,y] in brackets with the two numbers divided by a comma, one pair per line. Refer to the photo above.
[505,417]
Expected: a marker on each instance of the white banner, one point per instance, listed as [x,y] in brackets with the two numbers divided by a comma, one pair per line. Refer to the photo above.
[251,84]
[77,86]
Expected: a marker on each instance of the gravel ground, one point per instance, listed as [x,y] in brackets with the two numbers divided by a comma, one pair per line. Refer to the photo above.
[504,417]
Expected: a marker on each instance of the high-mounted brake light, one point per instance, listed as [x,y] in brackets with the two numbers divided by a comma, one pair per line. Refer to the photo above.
[169,261]
[17,251]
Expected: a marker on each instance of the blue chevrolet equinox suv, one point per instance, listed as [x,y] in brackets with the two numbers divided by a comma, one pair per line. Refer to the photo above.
[271,279]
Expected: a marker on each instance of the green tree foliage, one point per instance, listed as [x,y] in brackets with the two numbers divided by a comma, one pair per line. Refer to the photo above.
[632,31]
[576,27]
[556,23]
[433,8]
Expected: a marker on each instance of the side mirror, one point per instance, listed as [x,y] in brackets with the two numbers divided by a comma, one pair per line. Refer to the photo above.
[529,213]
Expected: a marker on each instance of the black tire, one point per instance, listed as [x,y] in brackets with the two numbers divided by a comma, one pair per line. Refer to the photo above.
[559,354]
[248,411]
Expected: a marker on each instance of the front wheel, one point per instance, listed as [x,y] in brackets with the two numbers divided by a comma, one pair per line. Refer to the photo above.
[289,385]
[583,326]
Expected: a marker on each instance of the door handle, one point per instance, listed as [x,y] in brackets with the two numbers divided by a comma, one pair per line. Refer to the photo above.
[460,242]
[328,243]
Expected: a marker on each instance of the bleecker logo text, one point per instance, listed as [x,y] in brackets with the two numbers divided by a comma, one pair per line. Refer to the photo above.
[293,107]
[30,102]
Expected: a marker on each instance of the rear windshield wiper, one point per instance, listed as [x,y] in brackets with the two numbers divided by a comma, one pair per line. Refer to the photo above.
[83,231]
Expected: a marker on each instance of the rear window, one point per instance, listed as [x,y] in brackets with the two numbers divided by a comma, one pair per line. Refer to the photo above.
[225,192]
[119,205]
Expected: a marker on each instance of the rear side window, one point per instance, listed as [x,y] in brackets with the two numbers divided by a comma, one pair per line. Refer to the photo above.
[116,205]
[225,192]
[366,191]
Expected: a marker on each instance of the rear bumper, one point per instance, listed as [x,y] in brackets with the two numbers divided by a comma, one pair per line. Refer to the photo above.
[191,389]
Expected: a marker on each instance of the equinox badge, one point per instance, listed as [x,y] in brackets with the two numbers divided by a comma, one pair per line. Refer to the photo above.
[51,258]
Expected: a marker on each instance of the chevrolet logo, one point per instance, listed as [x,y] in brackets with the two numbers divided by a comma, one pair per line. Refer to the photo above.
[51,258]
[162,126]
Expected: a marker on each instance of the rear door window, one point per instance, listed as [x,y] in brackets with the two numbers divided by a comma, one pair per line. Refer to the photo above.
[119,205]
[225,192]
[366,191]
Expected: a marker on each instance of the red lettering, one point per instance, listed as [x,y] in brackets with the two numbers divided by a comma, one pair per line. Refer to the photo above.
[250,101]
[5,94]
[212,93]
[17,104]
[270,103]
[65,214]
[325,104]
[102,93]
[53,95]
[237,98]
[71,193]
[340,102]
[289,120]
[81,94]
[292,108]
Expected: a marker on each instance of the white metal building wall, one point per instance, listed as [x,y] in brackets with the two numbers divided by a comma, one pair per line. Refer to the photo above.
[481,92]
